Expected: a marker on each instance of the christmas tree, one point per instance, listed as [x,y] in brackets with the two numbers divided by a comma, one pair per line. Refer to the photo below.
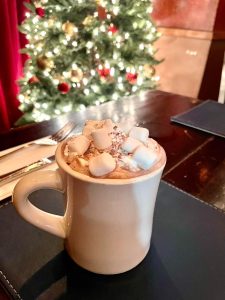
[85,52]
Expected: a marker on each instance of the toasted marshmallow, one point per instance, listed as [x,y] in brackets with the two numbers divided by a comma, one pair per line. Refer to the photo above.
[88,130]
[139,133]
[101,138]
[108,125]
[82,162]
[144,157]
[102,164]
[95,123]
[79,144]
[130,144]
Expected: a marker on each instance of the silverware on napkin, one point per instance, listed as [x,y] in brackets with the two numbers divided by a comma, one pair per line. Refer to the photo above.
[54,139]
[13,175]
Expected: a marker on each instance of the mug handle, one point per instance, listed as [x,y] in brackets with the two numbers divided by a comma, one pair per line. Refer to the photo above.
[42,179]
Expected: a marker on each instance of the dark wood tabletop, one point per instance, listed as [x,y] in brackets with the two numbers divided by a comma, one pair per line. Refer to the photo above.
[195,160]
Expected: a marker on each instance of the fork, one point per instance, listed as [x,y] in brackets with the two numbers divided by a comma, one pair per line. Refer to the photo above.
[54,139]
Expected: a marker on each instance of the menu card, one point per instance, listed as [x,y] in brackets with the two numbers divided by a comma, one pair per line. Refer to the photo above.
[209,116]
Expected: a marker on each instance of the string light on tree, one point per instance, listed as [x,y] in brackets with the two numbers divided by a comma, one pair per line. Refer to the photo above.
[81,55]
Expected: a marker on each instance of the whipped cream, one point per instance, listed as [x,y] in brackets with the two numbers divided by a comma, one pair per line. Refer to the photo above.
[105,150]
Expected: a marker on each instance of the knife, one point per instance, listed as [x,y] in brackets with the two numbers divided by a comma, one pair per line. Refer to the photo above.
[13,175]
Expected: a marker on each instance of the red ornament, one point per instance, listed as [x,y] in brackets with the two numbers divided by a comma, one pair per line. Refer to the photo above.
[131,77]
[63,87]
[104,72]
[33,80]
[40,12]
[112,28]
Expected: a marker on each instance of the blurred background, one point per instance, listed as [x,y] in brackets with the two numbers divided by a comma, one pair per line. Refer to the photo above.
[189,43]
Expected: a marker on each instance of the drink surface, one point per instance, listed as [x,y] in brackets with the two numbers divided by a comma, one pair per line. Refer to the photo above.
[115,151]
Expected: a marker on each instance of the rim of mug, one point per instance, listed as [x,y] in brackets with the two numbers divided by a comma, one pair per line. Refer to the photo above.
[108,181]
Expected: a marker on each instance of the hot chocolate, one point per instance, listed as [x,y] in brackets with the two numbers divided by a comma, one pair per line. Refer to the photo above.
[116,151]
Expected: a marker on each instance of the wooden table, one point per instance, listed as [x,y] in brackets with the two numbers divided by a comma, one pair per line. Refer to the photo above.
[195,160]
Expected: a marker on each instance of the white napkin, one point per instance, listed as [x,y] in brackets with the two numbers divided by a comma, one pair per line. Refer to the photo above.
[20,159]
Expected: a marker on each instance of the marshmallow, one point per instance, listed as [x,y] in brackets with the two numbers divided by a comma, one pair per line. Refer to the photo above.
[129,163]
[79,144]
[139,133]
[101,138]
[152,144]
[88,130]
[125,126]
[102,164]
[130,144]
[94,123]
[71,156]
[82,162]
[108,125]
[144,157]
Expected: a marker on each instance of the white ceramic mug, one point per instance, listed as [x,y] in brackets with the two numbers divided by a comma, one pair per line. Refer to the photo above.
[107,224]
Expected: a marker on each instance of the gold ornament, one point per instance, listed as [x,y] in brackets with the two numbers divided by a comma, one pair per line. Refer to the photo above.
[76,75]
[69,28]
[88,21]
[44,63]
[149,71]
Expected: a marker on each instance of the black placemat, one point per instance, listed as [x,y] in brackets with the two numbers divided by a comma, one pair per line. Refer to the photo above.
[209,116]
[186,259]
